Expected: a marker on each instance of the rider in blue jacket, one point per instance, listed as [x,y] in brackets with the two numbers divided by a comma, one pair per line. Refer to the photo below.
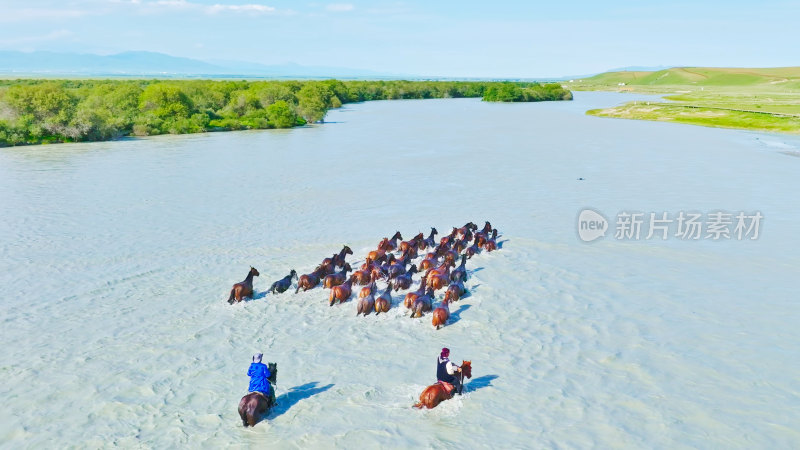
[259,376]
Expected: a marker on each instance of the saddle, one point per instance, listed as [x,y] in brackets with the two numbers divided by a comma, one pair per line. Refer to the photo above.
[448,388]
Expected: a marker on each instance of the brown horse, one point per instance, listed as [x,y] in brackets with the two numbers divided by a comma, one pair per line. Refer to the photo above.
[283,284]
[450,257]
[491,243]
[441,314]
[366,304]
[384,302]
[429,261]
[254,406]
[243,289]
[438,280]
[455,291]
[411,297]
[341,292]
[422,304]
[310,280]
[414,242]
[368,289]
[378,254]
[437,393]
[335,279]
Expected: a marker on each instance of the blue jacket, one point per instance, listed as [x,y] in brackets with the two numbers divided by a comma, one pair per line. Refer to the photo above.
[259,374]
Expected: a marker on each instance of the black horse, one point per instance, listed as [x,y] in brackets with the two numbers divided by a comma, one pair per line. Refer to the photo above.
[283,284]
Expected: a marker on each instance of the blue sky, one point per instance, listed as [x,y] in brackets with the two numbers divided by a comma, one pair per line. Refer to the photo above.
[435,38]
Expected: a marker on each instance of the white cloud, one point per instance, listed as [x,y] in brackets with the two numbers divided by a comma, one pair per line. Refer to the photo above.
[249,8]
[340,7]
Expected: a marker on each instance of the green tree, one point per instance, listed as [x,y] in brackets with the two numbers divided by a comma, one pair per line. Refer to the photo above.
[313,101]
[281,115]
[165,101]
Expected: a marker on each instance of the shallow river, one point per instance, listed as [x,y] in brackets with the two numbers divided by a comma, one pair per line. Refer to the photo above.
[117,258]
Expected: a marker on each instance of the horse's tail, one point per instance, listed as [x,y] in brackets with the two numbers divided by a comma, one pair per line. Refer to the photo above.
[418,405]
[230,299]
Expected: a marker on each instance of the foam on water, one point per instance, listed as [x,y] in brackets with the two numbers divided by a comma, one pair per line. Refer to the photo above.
[118,258]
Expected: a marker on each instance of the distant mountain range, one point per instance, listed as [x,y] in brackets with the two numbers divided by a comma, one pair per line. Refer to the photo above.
[159,64]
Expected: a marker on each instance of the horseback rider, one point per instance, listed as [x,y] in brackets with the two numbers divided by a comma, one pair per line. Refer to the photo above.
[447,371]
[259,378]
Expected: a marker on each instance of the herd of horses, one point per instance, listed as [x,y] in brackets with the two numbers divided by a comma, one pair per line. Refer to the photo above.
[392,263]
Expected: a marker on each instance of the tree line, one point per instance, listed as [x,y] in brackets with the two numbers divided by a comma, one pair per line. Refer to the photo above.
[50,111]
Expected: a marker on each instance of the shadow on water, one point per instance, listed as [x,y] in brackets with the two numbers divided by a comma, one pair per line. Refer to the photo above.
[295,394]
[480,382]
[470,290]
[456,316]
[258,295]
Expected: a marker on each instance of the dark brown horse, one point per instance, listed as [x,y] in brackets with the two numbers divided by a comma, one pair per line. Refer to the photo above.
[465,232]
[430,241]
[328,264]
[404,281]
[283,284]
[243,289]
[491,243]
[338,260]
[254,406]
[473,249]
[391,244]
[437,393]
[455,291]
[460,273]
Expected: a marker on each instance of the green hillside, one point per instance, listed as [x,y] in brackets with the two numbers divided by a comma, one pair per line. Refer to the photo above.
[781,77]
[766,99]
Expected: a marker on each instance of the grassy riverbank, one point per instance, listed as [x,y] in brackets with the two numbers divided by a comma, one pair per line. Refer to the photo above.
[754,99]
[50,111]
